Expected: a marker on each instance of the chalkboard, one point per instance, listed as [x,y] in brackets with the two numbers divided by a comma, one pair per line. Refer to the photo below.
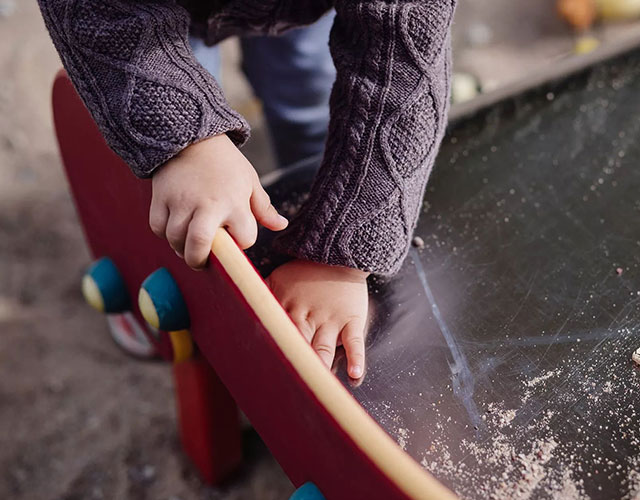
[499,357]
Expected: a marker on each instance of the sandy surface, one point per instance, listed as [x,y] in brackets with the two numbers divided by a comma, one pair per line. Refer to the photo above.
[78,419]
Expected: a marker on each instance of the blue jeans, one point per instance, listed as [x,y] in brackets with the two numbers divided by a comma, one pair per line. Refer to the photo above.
[292,75]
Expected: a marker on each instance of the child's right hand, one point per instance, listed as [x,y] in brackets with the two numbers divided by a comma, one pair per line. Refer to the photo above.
[208,185]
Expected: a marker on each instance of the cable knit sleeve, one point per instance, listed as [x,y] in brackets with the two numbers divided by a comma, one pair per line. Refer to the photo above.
[388,114]
[132,65]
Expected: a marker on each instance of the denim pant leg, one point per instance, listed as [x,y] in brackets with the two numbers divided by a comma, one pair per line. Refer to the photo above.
[293,74]
[209,57]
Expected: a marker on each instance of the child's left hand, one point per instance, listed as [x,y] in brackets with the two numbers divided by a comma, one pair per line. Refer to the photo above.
[329,306]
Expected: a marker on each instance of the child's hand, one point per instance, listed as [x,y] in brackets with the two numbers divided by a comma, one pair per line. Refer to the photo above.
[329,306]
[208,185]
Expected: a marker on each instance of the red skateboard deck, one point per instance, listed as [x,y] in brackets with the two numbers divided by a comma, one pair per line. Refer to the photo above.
[313,426]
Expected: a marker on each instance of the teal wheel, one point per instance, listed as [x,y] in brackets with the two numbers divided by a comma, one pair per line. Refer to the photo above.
[308,491]
[104,288]
[161,302]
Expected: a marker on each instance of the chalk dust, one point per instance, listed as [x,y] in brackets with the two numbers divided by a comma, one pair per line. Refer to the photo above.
[541,378]
[518,457]
[633,481]
[403,437]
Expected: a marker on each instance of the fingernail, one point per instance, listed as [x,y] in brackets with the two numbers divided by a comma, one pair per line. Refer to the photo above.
[283,219]
[356,371]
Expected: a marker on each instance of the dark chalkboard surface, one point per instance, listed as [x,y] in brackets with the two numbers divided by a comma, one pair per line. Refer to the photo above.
[500,356]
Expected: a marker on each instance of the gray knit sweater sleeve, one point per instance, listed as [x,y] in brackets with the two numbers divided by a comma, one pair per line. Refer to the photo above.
[388,114]
[132,66]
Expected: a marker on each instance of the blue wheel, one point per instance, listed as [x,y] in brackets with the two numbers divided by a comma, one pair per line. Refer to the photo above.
[308,491]
[161,302]
[104,289]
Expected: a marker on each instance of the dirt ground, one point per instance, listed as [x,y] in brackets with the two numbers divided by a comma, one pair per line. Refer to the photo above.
[78,419]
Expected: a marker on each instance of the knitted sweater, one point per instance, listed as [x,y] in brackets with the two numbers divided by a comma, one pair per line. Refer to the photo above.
[131,64]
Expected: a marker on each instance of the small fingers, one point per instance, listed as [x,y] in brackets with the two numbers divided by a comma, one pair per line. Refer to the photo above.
[201,231]
[264,212]
[158,217]
[242,227]
[353,341]
[299,318]
[324,343]
[176,231]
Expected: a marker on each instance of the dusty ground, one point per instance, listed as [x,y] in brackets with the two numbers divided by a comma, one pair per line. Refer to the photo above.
[79,420]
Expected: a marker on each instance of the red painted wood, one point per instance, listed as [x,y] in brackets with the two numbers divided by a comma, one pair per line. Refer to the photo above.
[210,429]
[113,206]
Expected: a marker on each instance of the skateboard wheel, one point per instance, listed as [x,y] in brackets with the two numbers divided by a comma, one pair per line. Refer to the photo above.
[308,491]
[161,302]
[104,289]
[182,345]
